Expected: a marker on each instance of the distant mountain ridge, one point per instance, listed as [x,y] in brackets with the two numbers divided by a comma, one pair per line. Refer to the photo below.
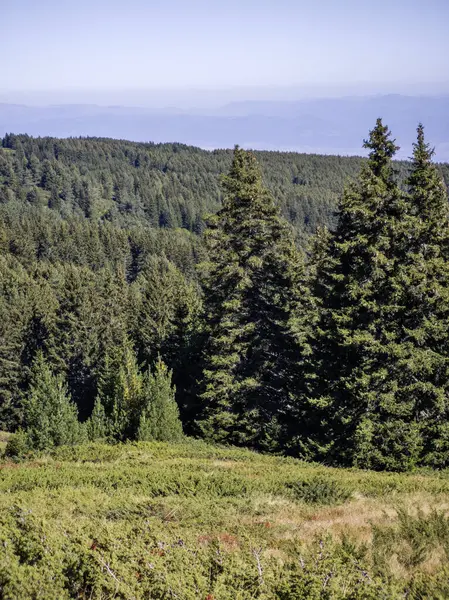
[325,125]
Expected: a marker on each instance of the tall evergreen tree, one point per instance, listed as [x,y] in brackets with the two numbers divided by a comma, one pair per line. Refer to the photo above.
[168,325]
[252,283]
[381,368]
[75,344]
[422,284]
[351,355]
[168,311]
[14,318]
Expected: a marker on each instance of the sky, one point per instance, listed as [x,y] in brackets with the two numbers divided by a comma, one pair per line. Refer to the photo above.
[161,44]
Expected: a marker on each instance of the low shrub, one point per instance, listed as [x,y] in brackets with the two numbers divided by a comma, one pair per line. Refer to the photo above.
[319,491]
[19,445]
[201,522]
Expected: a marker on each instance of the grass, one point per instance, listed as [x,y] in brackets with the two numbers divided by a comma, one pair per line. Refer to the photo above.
[193,521]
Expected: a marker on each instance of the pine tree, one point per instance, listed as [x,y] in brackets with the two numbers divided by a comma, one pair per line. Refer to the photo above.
[50,417]
[252,285]
[159,419]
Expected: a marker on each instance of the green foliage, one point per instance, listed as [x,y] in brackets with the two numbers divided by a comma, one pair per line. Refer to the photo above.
[97,426]
[50,416]
[18,445]
[160,185]
[157,520]
[14,313]
[342,358]
[168,326]
[132,405]
[252,285]
[423,533]
[169,310]
[159,417]
[120,392]
[379,374]
[319,491]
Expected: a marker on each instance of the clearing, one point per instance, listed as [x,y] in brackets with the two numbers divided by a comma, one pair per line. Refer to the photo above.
[194,521]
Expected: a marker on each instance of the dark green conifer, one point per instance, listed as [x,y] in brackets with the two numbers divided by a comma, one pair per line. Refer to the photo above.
[252,283]
[98,426]
[14,318]
[75,345]
[168,325]
[350,375]
[408,426]
[120,388]
[423,282]
[168,311]
[380,349]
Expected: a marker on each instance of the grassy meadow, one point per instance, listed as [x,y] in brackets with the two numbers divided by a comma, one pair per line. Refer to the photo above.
[193,521]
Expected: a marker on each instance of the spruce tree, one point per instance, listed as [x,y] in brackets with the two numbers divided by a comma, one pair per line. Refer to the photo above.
[50,416]
[159,419]
[252,285]
[120,392]
[423,284]
[381,369]
[168,326]
[168,312]
[352,352]
[98,426]
[76,341]
[408,426]
[14,318]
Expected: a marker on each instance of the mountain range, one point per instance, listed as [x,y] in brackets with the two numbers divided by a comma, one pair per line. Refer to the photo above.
[323,126]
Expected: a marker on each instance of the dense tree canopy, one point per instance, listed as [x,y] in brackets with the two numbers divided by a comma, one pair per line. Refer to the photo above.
[162,185]
[131,279]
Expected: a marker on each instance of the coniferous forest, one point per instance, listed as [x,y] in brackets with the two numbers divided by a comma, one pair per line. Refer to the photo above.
[293,304]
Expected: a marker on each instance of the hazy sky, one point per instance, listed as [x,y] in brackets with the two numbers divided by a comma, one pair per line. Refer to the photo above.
[55,44]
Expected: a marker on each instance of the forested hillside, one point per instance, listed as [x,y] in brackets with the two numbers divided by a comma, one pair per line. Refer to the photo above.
[139,284]
[163,185]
